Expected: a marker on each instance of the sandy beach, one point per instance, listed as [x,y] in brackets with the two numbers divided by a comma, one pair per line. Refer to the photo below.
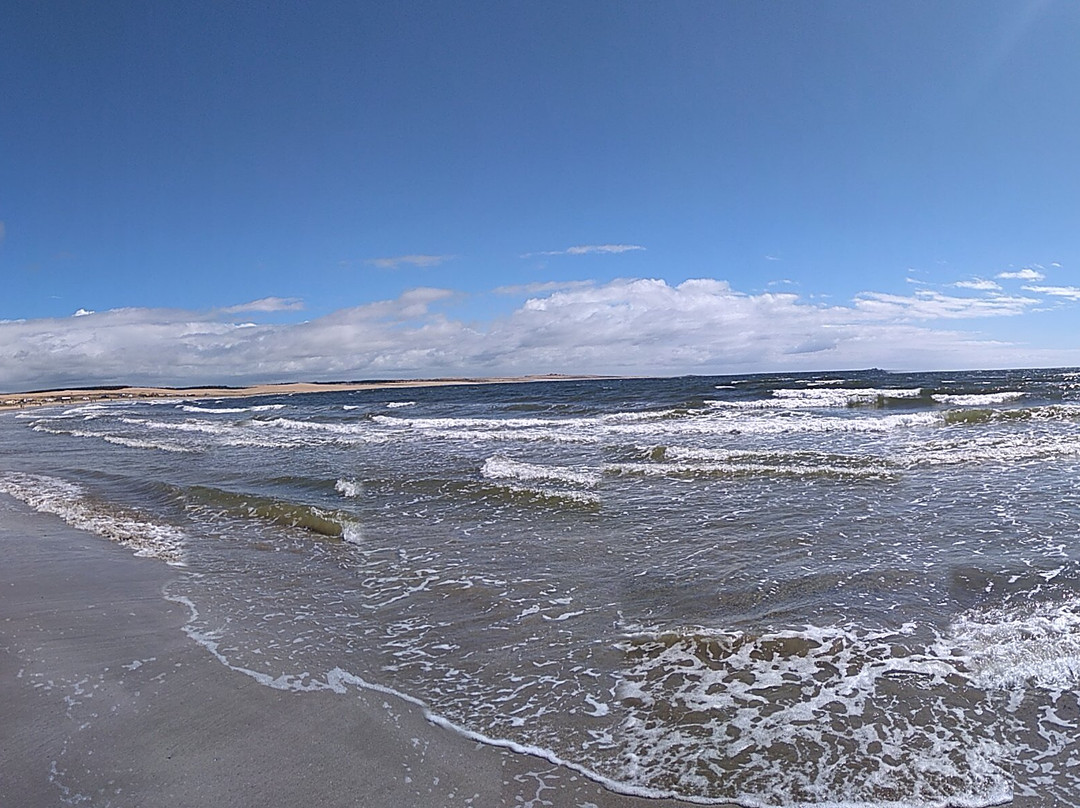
[108,702]
[39,398]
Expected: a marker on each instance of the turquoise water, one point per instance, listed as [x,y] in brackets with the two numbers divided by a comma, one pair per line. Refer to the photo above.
[833,589]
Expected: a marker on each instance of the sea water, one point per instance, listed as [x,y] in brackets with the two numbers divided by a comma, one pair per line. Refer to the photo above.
[843,589]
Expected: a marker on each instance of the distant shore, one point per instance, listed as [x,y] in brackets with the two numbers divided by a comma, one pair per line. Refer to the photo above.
[41,398]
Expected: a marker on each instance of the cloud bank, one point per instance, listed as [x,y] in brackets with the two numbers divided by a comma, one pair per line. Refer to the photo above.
[630,326]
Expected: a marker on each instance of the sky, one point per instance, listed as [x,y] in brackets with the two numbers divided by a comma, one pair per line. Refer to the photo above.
[232,193]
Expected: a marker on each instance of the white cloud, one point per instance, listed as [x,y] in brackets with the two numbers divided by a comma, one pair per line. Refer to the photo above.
[423,261]
[648,326]
[82,313]
[1025,274]
[536,288]
[587,249]
[979,284]
[929,305]
[169,346]
[268,304]
[590,249]
[630,326]
[1071,292]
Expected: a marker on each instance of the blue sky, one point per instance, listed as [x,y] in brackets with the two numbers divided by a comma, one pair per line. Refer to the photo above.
[263,192]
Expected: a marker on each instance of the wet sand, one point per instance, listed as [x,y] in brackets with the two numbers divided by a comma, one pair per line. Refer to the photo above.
[40,398]
[107,702]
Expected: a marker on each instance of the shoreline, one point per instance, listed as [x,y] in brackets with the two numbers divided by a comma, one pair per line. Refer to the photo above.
[69,396]
[109,701]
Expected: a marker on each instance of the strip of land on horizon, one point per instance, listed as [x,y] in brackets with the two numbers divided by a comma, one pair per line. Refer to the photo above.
[37,398]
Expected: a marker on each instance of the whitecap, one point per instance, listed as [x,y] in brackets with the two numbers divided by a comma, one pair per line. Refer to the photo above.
[502,468]
[978,399]
[824,398]
[349,488]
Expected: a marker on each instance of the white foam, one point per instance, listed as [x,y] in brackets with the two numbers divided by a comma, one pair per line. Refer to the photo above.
[274,433]
[1037,647]
[795,463]
[652,425]
[138,443]
[88,411]
[337,680]
[351,533]
[588,498]
[824,398]
[349,431]
[739,469]
[349,488]
[119,440]
[978,399]
[69,502]
[503,468]
[474,424]
[799,422]
[220,410]
[393,405]
[231,410]
[191,425]
[617,418]
[743,701]
[978,447]
[694,461]
[489,429]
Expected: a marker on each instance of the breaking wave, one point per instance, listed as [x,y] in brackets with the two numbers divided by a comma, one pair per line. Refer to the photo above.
[503,468]
[71,503]
[315,520]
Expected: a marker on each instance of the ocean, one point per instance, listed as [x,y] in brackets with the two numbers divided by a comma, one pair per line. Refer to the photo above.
[839,589]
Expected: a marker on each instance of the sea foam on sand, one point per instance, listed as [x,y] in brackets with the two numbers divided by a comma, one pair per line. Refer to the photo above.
[108,701]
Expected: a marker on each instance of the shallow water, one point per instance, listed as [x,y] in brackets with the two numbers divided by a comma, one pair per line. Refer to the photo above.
[842,589]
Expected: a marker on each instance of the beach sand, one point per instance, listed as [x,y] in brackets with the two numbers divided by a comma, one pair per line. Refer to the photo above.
[9,401]
[107,702]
